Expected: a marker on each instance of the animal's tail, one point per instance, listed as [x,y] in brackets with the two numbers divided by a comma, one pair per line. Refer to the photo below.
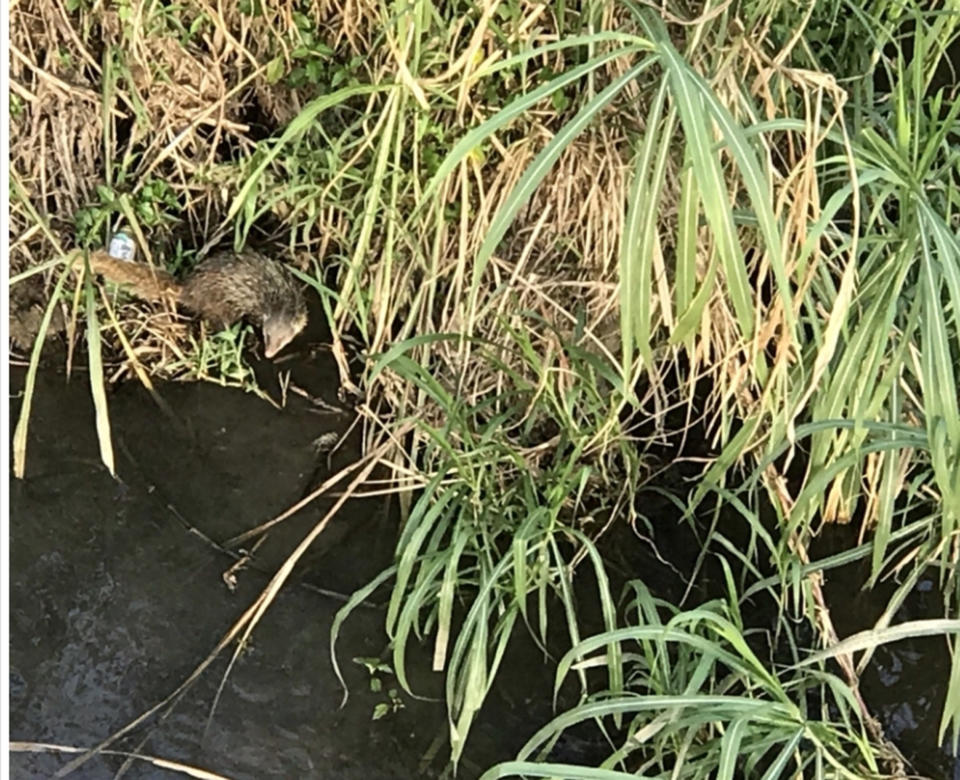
[141,280]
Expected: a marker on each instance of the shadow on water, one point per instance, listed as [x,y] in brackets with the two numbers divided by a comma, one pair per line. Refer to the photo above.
[117,595]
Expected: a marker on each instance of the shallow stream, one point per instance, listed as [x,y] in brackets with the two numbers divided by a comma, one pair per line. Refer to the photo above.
[118,593]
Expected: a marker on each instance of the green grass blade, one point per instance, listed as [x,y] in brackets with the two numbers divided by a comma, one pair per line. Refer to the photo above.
[706,165]
[730,749]
[566,771]
[356,599]
[19,445]
[515,109]
[639,235]
[950,719]
[536,172]
[97,387]
[865,640]
[300,124]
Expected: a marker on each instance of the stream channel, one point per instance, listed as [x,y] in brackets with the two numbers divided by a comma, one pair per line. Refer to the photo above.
[117,594]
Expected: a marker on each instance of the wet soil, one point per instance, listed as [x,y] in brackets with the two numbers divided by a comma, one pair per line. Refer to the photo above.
[27,302]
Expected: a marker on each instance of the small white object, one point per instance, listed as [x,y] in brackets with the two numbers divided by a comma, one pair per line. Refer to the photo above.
[122,247]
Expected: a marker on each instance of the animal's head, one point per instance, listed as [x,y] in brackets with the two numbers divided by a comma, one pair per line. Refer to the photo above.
[282,303]
[282,326]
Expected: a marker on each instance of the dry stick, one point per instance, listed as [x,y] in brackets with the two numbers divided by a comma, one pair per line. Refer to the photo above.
[135,363]
[81,47]
[273,587]
[162,763]
[329,483]
[250,616]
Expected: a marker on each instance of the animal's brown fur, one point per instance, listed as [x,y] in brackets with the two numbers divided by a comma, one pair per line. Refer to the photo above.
[222,289]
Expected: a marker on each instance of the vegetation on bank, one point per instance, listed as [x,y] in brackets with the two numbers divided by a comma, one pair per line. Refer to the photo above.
[560,235]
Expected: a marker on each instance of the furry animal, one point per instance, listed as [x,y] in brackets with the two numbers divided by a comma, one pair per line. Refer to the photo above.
[222,289]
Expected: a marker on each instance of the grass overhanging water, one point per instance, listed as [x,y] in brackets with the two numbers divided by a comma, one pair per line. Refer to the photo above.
[563,237]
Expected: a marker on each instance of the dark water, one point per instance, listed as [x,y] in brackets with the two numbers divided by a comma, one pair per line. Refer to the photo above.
[117,595]
[906,682]
[115,600]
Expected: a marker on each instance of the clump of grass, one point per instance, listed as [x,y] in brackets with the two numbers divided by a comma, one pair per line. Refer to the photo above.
[700,700]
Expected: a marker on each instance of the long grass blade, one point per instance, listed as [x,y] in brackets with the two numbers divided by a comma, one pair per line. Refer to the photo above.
[97,385]
[23,421]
